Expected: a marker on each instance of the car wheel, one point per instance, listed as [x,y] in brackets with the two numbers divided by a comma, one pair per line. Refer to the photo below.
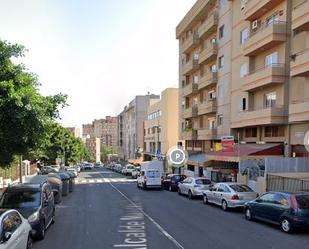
[190,194]
[29,242]
[170,188]
[224,205]
[248,214]
[205,199]
[41,232]
[286,225]
[179,191]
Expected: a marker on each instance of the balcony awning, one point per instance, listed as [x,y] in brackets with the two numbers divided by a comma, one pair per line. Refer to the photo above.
[136,161]
[198,160]
[247,151]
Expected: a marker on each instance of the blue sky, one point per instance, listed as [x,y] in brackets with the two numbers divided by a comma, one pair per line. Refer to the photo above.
[100,52]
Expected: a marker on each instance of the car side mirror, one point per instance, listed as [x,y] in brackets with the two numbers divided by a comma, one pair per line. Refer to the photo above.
[7,236]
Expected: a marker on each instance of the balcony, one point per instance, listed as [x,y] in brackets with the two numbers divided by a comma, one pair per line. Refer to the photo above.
[207,107]
[264,116]
[300,66]
[299,111]
[190,67]
[266,76]
[190,43]
[208,54]
[189,89]
[189,134]
[209,26]
[255,9]
[300,17]
[190,112]
[265,37]
[208,80]
[206,134]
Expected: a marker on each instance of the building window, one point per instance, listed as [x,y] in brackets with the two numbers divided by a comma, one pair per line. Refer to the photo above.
[271,59]
[270,99]
[211,123]
[274,131]
[195,79]
[213,68]
[221,61]
[243,104]
[201,122]
[220,119]
[221,32]
[243,70]
[212,94]
[251,132]
[244,35]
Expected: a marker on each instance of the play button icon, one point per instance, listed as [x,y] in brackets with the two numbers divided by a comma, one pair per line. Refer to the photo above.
[177,157]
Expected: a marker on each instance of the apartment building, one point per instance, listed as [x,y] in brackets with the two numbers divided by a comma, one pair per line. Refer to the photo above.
[131,126]
[75,131]
[270,63]
[161,125]
[106,129]
[205,48]
[94,147]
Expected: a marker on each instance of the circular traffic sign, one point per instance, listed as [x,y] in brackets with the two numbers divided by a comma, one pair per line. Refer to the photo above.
[177,157]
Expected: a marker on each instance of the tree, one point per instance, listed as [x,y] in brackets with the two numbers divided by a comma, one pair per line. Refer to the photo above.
[105,151]
[24,112]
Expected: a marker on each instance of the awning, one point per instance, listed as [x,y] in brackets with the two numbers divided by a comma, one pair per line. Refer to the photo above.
[198,160]
[247,151]
[136,161]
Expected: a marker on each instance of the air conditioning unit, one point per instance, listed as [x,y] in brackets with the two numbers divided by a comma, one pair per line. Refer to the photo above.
[255,24]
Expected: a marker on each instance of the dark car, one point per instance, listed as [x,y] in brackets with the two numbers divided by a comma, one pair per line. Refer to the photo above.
[289,210]
[170,182]
[35,202]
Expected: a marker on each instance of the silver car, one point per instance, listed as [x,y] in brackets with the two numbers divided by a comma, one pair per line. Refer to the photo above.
[229,195]
[193,186]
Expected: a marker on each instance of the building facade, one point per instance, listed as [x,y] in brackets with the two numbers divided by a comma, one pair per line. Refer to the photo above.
[204,37]
[75,131]
[161,124]
[243,71]
[105,129]
[131,126]
[94,147]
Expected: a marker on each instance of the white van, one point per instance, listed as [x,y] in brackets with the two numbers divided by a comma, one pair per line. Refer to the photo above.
[151,175]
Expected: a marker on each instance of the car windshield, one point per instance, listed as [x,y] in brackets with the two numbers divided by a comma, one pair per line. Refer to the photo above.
[21,199]
[130,167]
[240,188]
[203,181]
[153,174]
[303,201]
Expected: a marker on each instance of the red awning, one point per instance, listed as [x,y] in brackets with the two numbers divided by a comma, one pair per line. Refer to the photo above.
[246,151]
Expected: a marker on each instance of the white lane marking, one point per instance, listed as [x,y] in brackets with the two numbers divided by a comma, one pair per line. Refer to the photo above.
[84,181]
[91,181]
[161,229]
[99,180]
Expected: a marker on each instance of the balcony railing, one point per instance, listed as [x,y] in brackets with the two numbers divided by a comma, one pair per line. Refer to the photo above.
[190,43]
[207,107]
[299,111]
[208,54]
[265,37]
[300,16]
[190,89]
[300,65]
[190,67]
[208,80]
[255,9]
[209,26]
[206,134]
[266,75]
[190,112]
[261,116]
[189,134]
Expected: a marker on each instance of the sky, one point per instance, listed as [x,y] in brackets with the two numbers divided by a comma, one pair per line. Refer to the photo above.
[101,53]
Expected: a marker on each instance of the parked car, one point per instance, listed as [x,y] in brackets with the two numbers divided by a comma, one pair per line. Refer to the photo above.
[53,179]
[229,195]
[78,168]
[193,186]
[35,202]
[15,230]
[73,170]
[171,181]
[88,166]
[136,171]
[151,175]
[98,165]
[128,169]
[48,169]
[289,210]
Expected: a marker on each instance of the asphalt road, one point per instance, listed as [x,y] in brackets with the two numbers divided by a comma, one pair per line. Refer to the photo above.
[107,210]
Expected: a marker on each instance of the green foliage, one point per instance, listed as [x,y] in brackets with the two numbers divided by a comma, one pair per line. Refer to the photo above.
[105,151]
[24,112]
